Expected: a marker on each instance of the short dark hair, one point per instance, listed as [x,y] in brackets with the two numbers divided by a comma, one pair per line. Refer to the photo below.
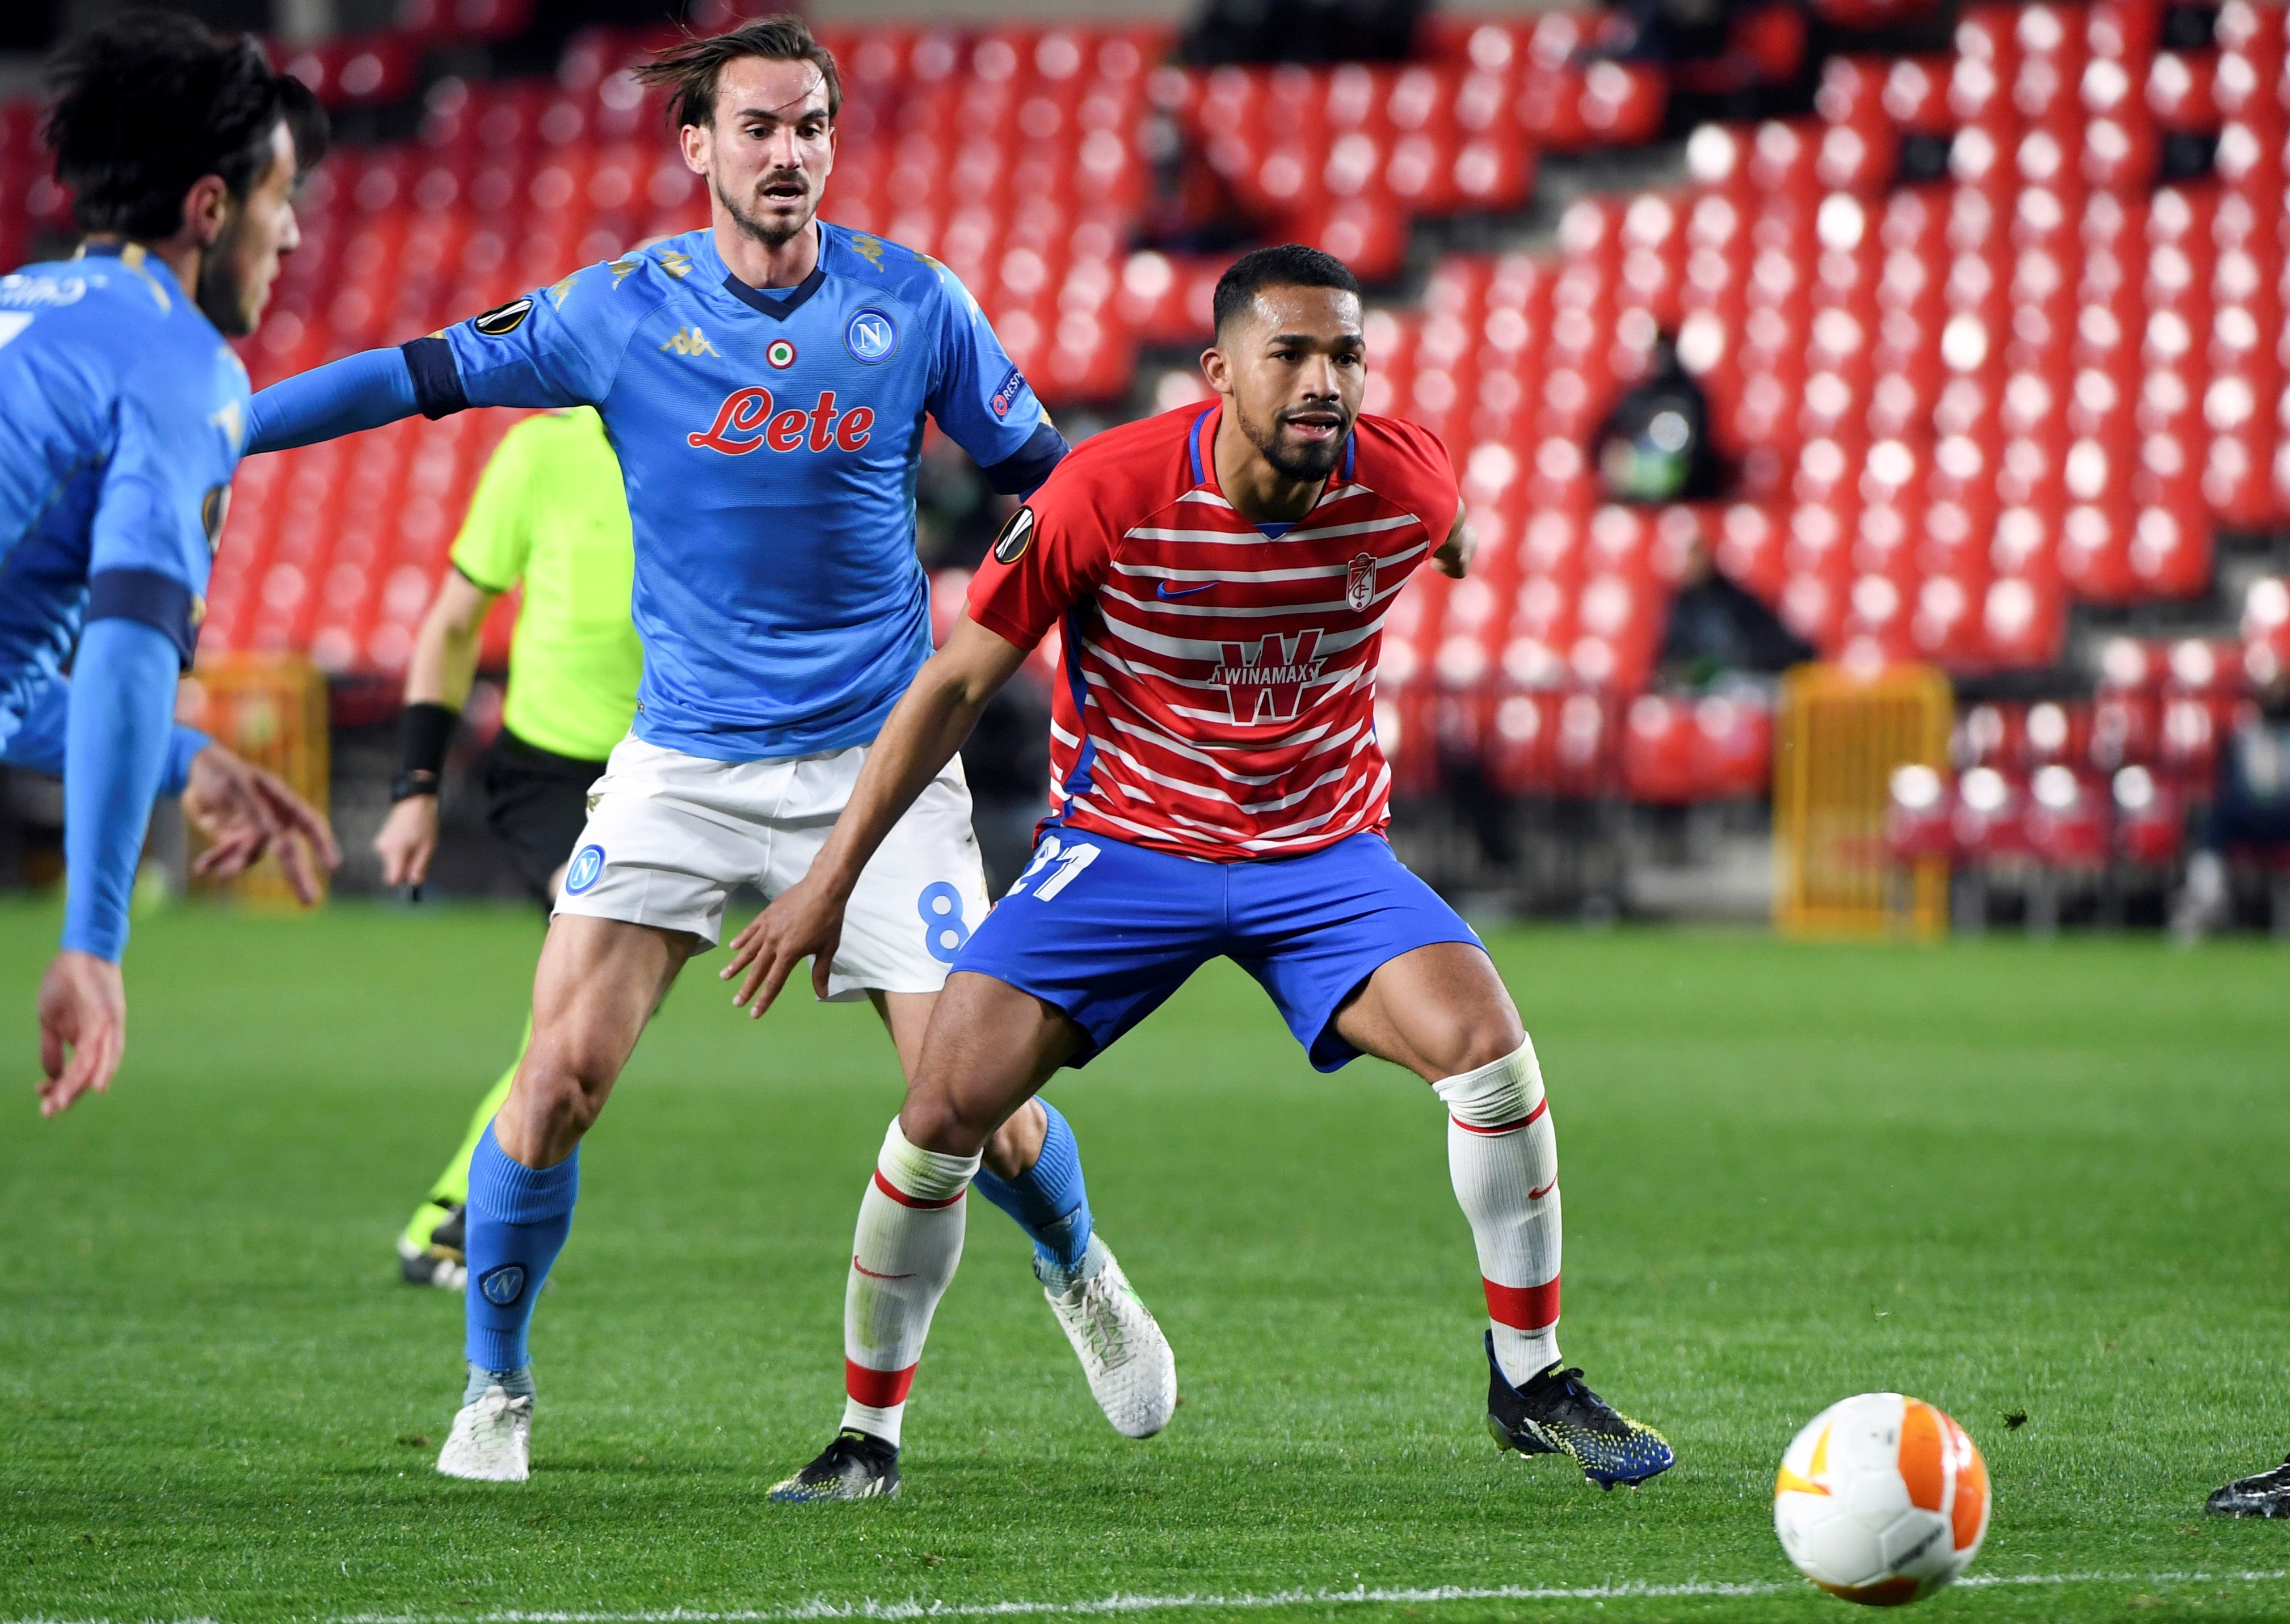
[1291,265]
[689,70]
[149,104]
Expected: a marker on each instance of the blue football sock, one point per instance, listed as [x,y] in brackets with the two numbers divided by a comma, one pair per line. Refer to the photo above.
[1049,1199]
[518,1217]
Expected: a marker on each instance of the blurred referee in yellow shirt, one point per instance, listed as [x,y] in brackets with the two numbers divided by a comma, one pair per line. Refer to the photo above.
[550,511]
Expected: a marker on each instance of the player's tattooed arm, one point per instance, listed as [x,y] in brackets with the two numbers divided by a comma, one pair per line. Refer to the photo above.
[924,730]
[1453,557]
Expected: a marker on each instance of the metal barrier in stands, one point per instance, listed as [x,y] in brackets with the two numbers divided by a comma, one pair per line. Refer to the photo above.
[270,708]
[1839,739]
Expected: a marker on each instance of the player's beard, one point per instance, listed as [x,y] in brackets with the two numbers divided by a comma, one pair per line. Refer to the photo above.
[226,296]
[1290,460]
[771,233]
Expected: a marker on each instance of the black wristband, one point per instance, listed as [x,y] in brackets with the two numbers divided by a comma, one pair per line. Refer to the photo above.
[406,786]
[428,729]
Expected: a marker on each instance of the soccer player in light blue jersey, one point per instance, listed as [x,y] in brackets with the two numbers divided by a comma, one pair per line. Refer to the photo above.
[122,411]
[764,384]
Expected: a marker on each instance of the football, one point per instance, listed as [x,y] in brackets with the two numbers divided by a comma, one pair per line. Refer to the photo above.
[1881,1500]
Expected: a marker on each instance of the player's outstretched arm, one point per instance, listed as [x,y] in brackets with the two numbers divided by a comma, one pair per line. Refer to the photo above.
[361,391]
[924,731]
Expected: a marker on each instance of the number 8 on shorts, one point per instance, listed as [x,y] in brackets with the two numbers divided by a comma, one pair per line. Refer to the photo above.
[943,930]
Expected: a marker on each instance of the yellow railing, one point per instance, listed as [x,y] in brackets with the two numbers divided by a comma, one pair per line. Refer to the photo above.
[1836,742]
[270,708]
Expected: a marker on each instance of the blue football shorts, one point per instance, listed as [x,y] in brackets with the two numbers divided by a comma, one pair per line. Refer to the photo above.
[1106,931]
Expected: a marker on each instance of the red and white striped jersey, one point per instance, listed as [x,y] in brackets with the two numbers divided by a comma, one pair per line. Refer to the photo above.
[1218,691]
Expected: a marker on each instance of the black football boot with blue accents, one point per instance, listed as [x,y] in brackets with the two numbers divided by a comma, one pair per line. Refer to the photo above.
[857,1465]
[1554,1414]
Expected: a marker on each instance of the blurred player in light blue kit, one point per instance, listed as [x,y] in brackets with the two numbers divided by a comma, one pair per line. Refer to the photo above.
[764,384]
[122,417]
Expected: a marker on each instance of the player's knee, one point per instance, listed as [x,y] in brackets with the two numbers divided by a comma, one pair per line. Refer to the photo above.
[934,1120]
[1479,1036]
[565,1082]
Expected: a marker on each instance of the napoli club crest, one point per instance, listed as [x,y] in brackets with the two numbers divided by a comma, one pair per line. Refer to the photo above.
[871,336]
[502,1286]
[1359,582]
[588,864]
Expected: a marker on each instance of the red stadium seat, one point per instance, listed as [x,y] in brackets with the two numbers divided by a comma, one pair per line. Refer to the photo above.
[2067,820]
[1919,816]
[2150,823]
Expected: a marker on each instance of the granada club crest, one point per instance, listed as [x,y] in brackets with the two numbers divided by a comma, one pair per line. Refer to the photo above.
[1359,582]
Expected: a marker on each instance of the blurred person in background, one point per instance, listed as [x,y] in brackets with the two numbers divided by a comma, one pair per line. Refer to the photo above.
[2249,812]
[122,416]
[551,513]
[1716,629]
[1654,445]
[1654,449]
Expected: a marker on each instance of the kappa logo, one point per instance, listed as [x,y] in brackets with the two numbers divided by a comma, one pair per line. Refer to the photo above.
[746,421]
[1359,582]
[869,249]
[676,265]
[622,270]
[871,336]
[588,863]
[1265,680]
[502,1286]
[692,341]
[1006,397]
[502,320]
[562,291]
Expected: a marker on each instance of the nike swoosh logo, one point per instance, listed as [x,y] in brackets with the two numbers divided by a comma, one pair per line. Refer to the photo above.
[1531,1195]
[1162,590]
[871,1275]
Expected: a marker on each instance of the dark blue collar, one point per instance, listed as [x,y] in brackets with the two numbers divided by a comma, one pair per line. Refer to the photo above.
[778,306]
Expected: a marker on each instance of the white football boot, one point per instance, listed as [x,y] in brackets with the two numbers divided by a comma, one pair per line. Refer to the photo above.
[492,1441]
[1132,1372]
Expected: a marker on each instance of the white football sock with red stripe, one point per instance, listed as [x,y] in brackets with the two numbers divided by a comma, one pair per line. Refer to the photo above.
[1503,1158]
[909,1240]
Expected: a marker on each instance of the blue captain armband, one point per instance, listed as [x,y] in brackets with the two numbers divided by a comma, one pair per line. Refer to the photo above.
[1022,472]
[438,388]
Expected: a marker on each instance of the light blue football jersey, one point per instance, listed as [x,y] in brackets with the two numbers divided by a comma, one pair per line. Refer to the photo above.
[123,414]
[770,441]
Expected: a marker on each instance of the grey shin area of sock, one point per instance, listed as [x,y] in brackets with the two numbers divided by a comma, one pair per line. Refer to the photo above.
[516,1383]
[1057,1280]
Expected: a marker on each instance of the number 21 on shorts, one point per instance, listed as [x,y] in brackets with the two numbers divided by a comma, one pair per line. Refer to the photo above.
[1071,861]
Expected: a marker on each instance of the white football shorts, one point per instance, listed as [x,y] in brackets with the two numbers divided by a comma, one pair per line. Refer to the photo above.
[670,835]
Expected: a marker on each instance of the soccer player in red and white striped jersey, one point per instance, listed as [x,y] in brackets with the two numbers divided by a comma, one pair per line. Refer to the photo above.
[1220,575]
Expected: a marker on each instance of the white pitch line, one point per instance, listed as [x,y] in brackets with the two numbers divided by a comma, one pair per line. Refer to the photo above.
[1358,1595]
[1123,1603]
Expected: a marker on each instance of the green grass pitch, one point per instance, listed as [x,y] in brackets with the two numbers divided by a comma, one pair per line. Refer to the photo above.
[2011,1177]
